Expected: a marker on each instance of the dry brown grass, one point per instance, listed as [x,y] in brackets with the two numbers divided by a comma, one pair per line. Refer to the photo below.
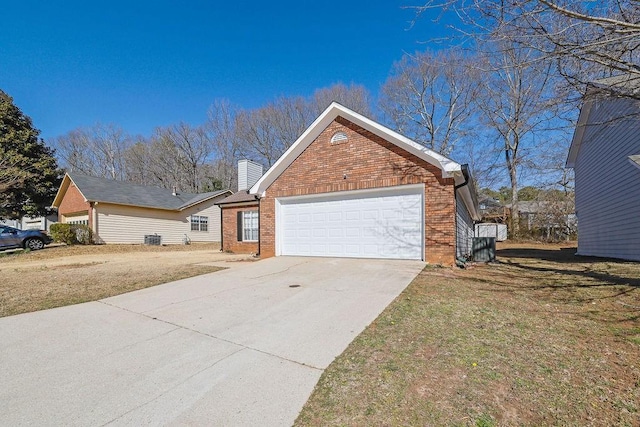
[64,275]
[540,338]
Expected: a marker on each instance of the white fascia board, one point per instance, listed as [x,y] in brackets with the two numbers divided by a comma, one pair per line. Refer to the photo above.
[56,202]
[583,119]
[467,199]
[292,153]
[67,179]
[221,193]
[448,167]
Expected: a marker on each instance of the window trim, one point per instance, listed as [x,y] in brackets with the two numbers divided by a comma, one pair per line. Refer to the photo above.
[200,222]
[242,217]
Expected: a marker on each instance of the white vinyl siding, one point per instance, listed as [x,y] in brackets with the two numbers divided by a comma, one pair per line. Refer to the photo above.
[248,174]
[385,223]
[464,229]
[128,224]
[607,183]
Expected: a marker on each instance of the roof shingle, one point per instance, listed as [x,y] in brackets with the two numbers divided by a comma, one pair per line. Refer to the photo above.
[126,193]
[239,197]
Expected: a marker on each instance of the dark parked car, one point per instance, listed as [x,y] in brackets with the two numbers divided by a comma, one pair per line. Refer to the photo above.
[12,238]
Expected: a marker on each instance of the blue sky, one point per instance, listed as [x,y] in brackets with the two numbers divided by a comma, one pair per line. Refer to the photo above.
[142,64]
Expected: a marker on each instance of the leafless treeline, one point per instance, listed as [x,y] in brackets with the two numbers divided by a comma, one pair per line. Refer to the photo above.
[201,158]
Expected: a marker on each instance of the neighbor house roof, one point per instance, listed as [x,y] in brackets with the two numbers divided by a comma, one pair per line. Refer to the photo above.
[635,159]
[104,190]
[628,84]
[625,84]
[449,168]
[239,197]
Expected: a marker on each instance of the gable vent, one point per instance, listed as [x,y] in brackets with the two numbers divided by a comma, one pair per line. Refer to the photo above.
[339,137]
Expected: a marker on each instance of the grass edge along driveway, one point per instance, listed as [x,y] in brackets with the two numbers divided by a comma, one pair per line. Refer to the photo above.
[540,338]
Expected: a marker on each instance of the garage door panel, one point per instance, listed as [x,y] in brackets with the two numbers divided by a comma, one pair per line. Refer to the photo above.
[385,225]
[352,232]
[319,232]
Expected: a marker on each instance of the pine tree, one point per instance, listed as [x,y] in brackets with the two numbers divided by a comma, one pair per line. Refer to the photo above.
[29,175]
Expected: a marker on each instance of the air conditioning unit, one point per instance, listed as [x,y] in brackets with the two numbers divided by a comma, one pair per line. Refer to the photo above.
[152,239]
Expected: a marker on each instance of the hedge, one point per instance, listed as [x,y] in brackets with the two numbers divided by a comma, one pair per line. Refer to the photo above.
[71,234]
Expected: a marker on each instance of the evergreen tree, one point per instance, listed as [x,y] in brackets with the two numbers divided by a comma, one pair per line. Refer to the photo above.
[29,176]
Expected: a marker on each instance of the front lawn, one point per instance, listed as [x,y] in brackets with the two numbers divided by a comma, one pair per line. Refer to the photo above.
[63,275]
[540,338]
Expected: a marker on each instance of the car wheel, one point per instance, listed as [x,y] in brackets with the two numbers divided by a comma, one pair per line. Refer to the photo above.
[34,244]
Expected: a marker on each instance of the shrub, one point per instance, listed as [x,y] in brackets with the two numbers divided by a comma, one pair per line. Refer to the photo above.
[71,234]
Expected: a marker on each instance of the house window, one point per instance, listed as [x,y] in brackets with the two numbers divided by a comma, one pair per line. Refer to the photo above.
[248,226]
[78,222]
[339,138]
[199,223]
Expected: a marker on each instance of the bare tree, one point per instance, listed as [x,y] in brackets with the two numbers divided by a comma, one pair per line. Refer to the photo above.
[586,39]
[429,98]
[265,133]
[355,97]
[517,105]
[192,148]
[221,127]
[97,151]
[138,163]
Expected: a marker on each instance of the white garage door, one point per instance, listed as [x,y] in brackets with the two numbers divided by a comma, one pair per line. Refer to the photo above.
[359,224]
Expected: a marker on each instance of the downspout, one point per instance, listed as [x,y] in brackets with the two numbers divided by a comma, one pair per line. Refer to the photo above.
[465,174]
[259,234]
[91,214]
[221,231]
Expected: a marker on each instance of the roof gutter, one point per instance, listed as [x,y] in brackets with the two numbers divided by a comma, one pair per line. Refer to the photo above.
[468,193]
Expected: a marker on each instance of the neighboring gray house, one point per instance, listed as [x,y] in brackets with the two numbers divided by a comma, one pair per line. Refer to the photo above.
[604,155]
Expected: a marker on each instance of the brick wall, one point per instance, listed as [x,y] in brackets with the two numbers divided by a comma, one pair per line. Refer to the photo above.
[230,231]
[368,161]
[72,203]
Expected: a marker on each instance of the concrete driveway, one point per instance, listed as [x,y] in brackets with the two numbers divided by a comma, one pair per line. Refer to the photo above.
[243,346]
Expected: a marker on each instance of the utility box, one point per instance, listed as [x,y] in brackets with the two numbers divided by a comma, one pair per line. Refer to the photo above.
[499,231]
[484,249]
[152,239]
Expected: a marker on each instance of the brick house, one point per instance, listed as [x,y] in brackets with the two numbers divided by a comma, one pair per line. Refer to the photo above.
[350,187]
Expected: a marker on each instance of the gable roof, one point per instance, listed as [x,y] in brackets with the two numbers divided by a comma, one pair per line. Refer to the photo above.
[448,167]
[104,190]
[635,159]
[624,84]
[239,197]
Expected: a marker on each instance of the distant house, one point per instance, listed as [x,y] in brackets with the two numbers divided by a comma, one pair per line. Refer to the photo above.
[492,210]
[123,212]
[605,154]
[33,223]
[552,220]
[350,187]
